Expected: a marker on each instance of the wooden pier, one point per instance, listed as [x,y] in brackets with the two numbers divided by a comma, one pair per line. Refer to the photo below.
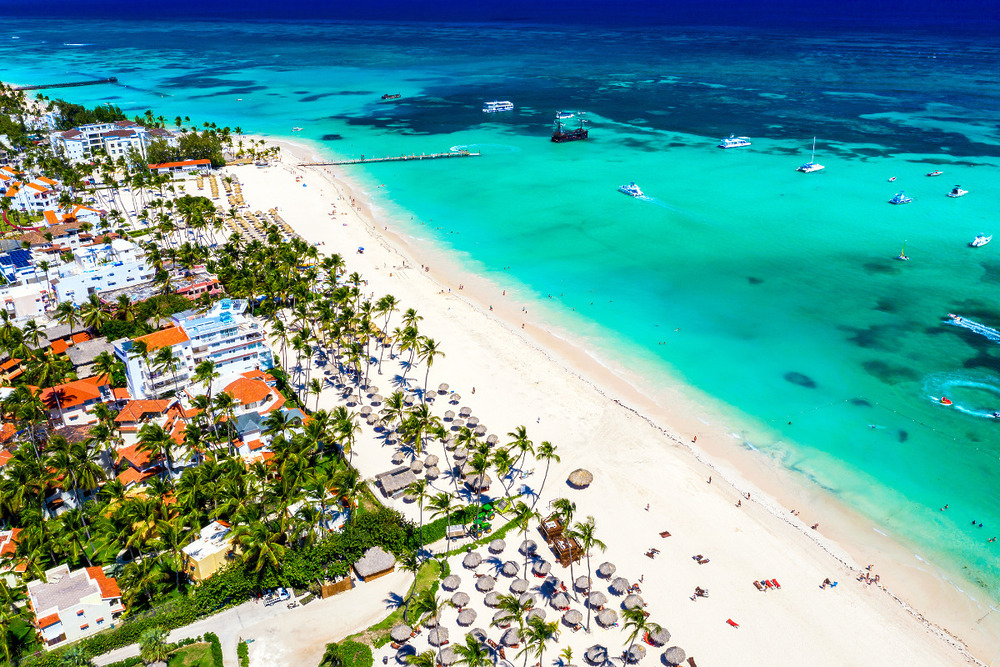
[396,158]
[72,84]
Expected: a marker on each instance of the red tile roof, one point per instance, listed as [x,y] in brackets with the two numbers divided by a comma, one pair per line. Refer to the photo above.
[46,621]
[133,476]
[81,336]
[8,542]
[163,338]
[5,456]
[73,394]
[59,346]
[109,587]
[121,393]
[136,410]
[51,217]
[248,391]
[182,163]
[137,458]
[7,431]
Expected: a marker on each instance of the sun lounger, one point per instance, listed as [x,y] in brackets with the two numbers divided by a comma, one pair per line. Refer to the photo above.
[759,586]
[703,561]
[491,643]
[776,584]
[665,534]
[692,662]
[732,623]
[767,583]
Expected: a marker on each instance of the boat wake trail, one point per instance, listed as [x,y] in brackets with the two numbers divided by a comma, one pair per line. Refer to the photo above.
[973,326]
[974,394]
[660,203]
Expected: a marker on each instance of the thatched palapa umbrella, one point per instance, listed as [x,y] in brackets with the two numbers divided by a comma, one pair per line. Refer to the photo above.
[432,472]
[538,613]
[398,458]
[597,599]
[449,415]
[633,601]
[674,656]
[472,560]
[437,637]
[605,570]
[431,622]
[460,599]
[466,617]
[417,466]
[511,638]
[448,656]
[502,618]
[635,653]
[619,586]
[528,547]
[431,460]
[580,478]
[596,655]
[492,439]
[527,599]
[460,454]
[485,583]
[457,423]
[519,586]
[582,584]
[497,545]
[451,582]
[481,430]
[509,569]
[572,617]
[492,599]
[479,635]
[471,421]
[454,398]
[464,411]
[400,633]
[443,388]
[541,567]
[559,601]
[606,618]
[660,637]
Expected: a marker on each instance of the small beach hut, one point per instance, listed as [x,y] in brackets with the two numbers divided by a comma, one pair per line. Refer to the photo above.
[472,560]
[485,583]
[528,547]
[674,656]
[605,570]
[518,586]
[580,478]
[541,568]
[460,599]
[492,599]
[466,617]
[660,637]
[451,582]
[597,599]
[582,583]
[619,586]
[400,633]
[375,563]
[509,569]
[606,618]
[448,656]
[635,653]
[437,636]
[633,601]
[396,481]
[572,617]
[497,545]
[596,655]
[560,601]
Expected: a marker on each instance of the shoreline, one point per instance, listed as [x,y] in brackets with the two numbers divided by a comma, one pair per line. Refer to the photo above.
[773,488]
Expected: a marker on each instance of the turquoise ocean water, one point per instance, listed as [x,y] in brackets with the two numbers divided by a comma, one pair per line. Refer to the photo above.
[790,304]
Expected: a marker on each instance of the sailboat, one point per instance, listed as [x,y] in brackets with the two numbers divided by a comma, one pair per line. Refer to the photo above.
[902,253]
[812,165]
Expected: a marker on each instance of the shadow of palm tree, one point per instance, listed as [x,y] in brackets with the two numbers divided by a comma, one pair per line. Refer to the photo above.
[394,601]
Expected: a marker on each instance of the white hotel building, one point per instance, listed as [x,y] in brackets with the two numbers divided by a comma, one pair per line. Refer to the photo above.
[70,605]
[115,139]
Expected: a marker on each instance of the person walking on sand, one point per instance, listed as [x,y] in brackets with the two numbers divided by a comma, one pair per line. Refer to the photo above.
[709,479]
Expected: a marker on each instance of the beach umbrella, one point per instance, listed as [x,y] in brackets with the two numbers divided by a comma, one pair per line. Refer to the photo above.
[619,586]
[528,546]
[510,638]
[674,656]
[449,415]
[467,469]
[471,421]
[492,599]
[431,460]
[635,653]
[431,622]
[581,478]
[527,599]
[457,423]
[633,602]
[596,655]
[606,617]
[437,636]
[502,618]
[485,583]
[432,472]
[377,399]
[493,439]
[541,567]
[559,601]
[454,398]
[460,599]
[519,586]
[538,613]
[466,617]
[481,430]
[479,635]
[472,560]
[582,584]
[367,410]
[597,599]
[417,466]
[460,454]
[509,569]
[464,411]
[409,400]
[443,388]
[400,633]
[572,617]
[497,545]
[448,656]
[404,654]
[660,637]
[605,570]
[451,582]
[398,458]
[479,482]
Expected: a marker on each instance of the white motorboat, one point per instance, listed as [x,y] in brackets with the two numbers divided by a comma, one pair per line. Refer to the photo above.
[732,141]
[812,165]
[564,115]
[957,191]
[497,106]
[631,190]
[900,198]
[981,240]
[296,129]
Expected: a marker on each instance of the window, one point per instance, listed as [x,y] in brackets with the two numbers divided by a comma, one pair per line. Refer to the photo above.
[100,621]
[79,613]
[85,626]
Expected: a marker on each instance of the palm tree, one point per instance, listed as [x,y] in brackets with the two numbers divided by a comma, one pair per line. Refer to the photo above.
[514,611]
[418,490]
[536,636]
[425,659]
[583,532]
[106,365]
[262,547]
[472,653]
[442,504]
[156,440]
[164,360]
[75,656]
[93,313]
[521,443]
[153,645]
[637,622]
[524,516]
[546,452]
[428,351]
[409,562]
[66,313]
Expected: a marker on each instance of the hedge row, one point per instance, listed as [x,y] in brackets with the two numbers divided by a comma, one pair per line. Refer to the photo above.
[347,654]
[243,653]
[213,639]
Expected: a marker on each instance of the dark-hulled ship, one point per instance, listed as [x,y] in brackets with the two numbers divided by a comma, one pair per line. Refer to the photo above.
[561,135]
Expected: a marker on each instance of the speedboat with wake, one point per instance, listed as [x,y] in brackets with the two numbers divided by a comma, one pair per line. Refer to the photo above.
[936,172]
[975,327]
[900,198]
[632,190]
[980,240]
[957,191]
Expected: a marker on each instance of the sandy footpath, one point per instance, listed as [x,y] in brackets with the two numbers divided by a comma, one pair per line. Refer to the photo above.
[599,421]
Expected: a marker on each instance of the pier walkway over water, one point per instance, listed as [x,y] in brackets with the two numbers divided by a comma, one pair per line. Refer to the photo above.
[395,158]
[72,84]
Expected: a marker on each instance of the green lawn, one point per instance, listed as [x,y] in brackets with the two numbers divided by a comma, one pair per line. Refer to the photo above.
[195,655]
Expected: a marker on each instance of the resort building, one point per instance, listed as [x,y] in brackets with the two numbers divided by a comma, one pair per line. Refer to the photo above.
[184,167]
[115,139]
[210,552]
[70,605]
[32,197]
[24,302]
[101,267]
[233,341]
[9,568]
[69,404]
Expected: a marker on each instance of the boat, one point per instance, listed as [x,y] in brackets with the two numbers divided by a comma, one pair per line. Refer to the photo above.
[812,165]
[945,400]
[900,198]
[561,136]
[564,115]
[980,241]
[296,129]
[892,179]
[957,191]
[902,254]
[497,105]
[936,172]
[732,141]
[975,327]
[631,190]
[392,96]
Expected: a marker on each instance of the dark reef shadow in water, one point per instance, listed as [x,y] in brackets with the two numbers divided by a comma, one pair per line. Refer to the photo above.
[889,373]
[991,273]
[332,137]
[876,336]
[859,402]
[753,280]
[902,435]
[878,267]
[801,379]
[887,306]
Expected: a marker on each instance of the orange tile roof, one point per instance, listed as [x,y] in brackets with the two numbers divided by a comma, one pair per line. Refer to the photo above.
[45,179]
[81,336]
[163,338]
[9,364]
[109,587]
[255,445]
[39,188]
[168,165]
[5,457]
[133,476]
[72,394]
[135,410]
[7,431]
[59,346]
[121,393]
[248,391]
[8,542]
[51,217]
[46,621]
[137,458]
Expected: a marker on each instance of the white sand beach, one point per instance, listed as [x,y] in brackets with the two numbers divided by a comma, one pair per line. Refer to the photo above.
[640,451]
